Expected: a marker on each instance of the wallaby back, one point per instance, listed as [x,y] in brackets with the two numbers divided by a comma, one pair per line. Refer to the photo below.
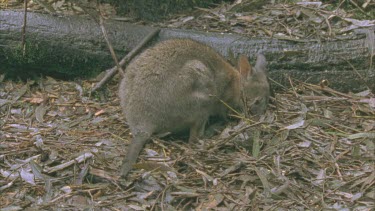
[177,85]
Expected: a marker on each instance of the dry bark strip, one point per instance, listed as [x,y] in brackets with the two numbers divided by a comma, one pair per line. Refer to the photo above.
[71,45]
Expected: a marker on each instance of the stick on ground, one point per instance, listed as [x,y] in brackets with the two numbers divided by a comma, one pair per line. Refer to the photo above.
[111,72]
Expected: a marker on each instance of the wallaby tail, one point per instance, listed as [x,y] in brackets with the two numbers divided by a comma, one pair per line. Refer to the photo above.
[138,141]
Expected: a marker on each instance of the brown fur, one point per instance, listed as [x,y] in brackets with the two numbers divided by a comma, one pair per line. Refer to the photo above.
[178,84]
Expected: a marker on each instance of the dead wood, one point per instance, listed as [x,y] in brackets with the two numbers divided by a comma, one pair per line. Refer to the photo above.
[70,45]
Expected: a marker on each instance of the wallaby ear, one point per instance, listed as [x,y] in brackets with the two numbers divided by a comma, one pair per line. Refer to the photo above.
[231,57]
[261,64]
[244,66]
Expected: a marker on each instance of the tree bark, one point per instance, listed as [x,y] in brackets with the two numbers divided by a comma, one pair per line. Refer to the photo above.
[74,46]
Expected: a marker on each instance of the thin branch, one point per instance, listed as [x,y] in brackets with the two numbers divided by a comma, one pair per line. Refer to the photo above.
[359,75]
[111,72]
[24,29]
[113,54]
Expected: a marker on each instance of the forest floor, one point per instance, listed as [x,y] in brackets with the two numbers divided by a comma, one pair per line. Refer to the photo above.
[61,146]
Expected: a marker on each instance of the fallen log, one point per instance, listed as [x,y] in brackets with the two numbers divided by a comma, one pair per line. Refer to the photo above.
[74,46]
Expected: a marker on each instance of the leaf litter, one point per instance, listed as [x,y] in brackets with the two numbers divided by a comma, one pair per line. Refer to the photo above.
[304,21]
[61,147]
[313,149]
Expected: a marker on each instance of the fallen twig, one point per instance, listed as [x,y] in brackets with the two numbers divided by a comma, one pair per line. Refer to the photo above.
[111,72]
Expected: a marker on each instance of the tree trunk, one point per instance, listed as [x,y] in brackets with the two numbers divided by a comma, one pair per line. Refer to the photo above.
[74,46]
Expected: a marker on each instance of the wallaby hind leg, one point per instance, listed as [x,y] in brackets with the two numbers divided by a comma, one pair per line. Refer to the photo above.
[197,130]
[138,141]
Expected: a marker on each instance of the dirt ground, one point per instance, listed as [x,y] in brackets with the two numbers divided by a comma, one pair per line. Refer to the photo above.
[61,146]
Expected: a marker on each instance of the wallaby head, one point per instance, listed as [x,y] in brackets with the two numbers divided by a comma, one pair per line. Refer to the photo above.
[254,84]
